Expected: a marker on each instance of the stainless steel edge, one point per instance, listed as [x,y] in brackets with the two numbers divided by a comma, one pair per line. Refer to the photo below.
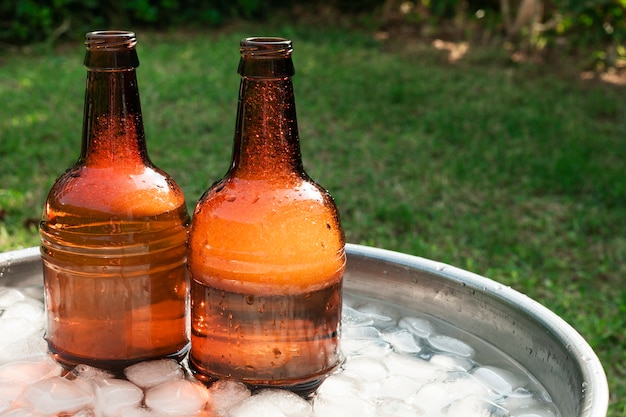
[551,349]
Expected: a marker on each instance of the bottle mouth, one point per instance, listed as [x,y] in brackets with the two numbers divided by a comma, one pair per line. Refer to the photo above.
[115,40]
[270,47]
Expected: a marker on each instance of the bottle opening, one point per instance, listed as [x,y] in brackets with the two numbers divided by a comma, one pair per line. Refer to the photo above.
[269,47]
[111,50]
[110,40]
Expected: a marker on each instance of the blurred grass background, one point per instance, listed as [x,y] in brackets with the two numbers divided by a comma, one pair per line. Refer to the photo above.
[512,170]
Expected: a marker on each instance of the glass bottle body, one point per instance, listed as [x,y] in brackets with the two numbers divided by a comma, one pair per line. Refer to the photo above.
[114,235]
[266,257]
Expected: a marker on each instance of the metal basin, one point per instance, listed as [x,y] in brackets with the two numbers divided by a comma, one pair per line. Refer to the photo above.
[531,334]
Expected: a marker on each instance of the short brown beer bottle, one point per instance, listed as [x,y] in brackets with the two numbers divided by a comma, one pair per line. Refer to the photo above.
[267,250]
[114,231]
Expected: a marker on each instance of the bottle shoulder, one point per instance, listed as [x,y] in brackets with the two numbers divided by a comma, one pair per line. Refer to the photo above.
[236,191]
[144,191]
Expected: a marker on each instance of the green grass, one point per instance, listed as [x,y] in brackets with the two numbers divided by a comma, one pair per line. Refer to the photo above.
[511,171]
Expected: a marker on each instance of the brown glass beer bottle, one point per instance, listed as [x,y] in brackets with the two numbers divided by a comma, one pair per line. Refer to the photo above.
[114,231]
[266,257]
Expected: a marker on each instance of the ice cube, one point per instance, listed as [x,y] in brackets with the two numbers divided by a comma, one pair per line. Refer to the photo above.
[352,317]
[223,394]
[450,344]
[9,296]
[56,394]
[341,384]
[21,412]
[272,402]
[410,366]
[328,405]
[31,348]
[9,392]
[520,397]
[113,395]
[180,397]
[361,333]
[459,384]
[396,408]
[420,327]
[29,372]
[152,373]
[382,314]
[365,347]
[401,340]
[500,380]
[29,309]
[399,387]
[451,362]
[474,406]
[246,409]
[16,328]
[86,377]
[365,368]
[432,398]
[5,405]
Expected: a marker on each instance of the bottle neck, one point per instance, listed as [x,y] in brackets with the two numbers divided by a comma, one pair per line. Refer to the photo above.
[113,134]
[266,135]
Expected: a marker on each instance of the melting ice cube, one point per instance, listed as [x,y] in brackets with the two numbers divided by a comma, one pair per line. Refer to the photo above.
[396,408]
[113,395]
[500,380]
[365,368]
[272,403]
[474,406]
[152,373]
[352,317]
[401,340]
[223,394]
[399,387]
[327,405]
[450,344]
[179,397]
[29,309]
[411,367]
[418,326]
[30,348]
[29,372]
[21,412]
[8,296]
[382,315]
[55,395]
[15,328]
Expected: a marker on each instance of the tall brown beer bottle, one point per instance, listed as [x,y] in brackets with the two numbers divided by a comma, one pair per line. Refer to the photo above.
[266,257]
[114,231]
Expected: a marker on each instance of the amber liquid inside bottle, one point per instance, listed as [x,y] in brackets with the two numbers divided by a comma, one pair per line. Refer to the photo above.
[114,235]
[266,286]
[266,256]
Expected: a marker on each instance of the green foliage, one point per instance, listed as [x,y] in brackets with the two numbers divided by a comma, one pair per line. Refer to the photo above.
[33,21]
[506,170]
[593,22]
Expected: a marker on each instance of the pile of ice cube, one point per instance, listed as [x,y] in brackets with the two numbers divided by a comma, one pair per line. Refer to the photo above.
[397,365]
